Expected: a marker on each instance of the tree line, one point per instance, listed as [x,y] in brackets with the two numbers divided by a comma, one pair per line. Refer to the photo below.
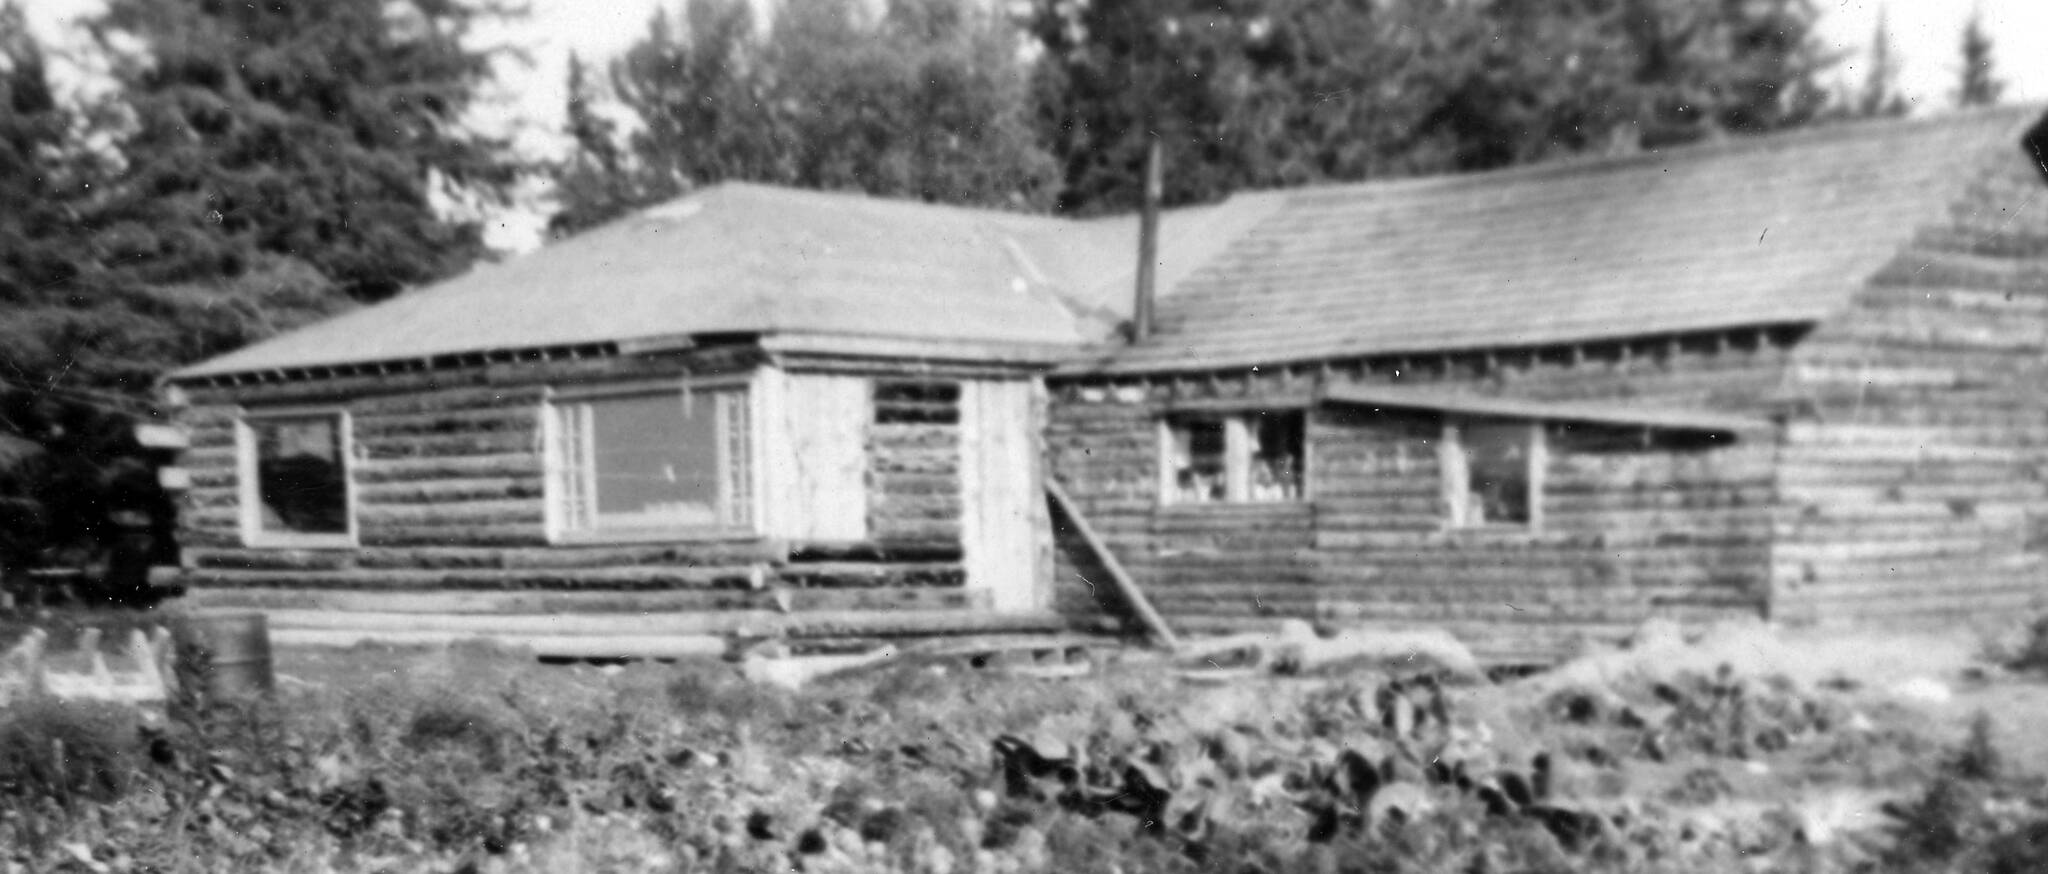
[256,165]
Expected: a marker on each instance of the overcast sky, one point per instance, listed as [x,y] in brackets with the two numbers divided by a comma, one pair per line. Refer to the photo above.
[528,100]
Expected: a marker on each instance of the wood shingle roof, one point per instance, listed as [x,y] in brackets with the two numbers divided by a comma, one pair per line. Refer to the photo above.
[1764,230]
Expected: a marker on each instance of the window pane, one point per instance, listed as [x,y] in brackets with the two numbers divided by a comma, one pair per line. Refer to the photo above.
[655,460]
[1276,456]
[1198,465]
[301,485]
[1498,475]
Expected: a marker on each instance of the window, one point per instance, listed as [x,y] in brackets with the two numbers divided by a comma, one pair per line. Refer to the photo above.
[651,464]
[1493,473]
[295,481]
[1233,458]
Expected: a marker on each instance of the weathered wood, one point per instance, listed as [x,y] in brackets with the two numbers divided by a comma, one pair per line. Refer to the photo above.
[1133,598]
[744,623]
[510,464]
[659,646]
[461,602]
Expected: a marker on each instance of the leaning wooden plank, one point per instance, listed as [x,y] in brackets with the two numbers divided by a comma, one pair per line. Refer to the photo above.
[1126,587]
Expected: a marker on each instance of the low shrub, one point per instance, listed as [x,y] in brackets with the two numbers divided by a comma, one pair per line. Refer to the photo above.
[66,752]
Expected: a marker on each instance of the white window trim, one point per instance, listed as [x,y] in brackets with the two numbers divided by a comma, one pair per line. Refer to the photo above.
[554,517]
[1237,459]
[250,501]
[1457,479]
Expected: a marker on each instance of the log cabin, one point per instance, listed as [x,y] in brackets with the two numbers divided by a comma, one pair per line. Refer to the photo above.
[747,412]
[1794,377]
[1802,377]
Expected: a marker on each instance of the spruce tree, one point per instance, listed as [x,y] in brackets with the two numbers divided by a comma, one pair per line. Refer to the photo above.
[1980,85]
[927,100]
[1879,96]
[315,133]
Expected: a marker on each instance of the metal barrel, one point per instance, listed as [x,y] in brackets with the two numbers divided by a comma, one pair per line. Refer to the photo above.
[238,651]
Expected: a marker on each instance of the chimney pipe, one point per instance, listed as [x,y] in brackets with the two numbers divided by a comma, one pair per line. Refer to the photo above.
[1148,246]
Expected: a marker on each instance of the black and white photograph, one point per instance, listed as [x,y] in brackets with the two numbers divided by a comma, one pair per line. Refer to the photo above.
[1020,436]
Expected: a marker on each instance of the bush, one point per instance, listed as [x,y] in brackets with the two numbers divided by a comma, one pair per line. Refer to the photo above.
[2029,652]
[65,752]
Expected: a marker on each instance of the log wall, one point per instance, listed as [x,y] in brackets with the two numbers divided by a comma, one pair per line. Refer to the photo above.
[1629,530]
[1916,479]
[449,471]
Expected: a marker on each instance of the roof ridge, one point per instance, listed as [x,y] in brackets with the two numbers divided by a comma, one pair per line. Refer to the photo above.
[1816,135]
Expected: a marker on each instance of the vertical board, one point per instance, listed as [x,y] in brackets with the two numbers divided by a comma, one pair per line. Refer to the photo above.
[1002,506]
[815,446]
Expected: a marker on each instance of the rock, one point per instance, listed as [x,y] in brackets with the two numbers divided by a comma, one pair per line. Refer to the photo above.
[1423,649]
[1657,634]
[1926,690]
[1400,803]
[1646,715]
[1398,715]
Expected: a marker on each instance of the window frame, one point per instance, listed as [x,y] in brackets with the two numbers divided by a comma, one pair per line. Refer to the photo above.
[1456,475]
[555,514]
[1237,456]
[249,483]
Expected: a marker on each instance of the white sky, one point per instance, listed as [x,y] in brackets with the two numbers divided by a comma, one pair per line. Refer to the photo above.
[528,101]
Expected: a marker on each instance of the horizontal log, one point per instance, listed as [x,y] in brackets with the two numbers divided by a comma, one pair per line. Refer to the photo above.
[551,604]
[836,575]
[475,514]
[214,558]
[894,528]
[451,535]
[915,507]
[203,436]
[916,461]
[285,624]
[684,554]
[1901,547]
[448,399]
[209,458]
[871,550]
[451,490]
[1834,498]
[418,579]
[605,646]
[214,477]
[916,483]
[392,446]
[516,420]
[210,497]
[901,437]
[503,465]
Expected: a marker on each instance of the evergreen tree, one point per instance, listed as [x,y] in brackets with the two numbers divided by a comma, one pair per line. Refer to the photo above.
[1284,92]
[1980,85]
[270,133]
[1879,95]
[928,100]
[702,100]
[269,163]
[1114,76]
[595,182]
